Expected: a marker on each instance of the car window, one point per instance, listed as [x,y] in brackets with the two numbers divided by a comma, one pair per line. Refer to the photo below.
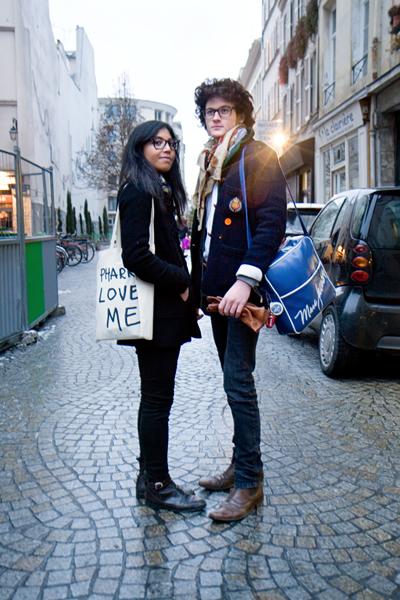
[323,224]
[293,222]
[384,231]
[360,209]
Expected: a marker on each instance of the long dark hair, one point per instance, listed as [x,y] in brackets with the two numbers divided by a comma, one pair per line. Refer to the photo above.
[137,169]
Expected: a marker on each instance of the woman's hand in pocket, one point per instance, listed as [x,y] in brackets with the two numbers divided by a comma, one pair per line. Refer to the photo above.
[185,295]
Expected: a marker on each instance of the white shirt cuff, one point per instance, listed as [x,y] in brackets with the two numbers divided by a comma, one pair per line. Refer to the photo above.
[250,271]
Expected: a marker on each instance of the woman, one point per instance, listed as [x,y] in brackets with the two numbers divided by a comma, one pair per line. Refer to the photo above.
[225,266]
[150,173]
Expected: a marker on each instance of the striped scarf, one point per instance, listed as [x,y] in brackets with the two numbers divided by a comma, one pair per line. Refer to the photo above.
[212,159]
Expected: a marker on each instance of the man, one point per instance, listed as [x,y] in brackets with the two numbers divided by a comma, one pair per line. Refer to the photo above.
[224,265]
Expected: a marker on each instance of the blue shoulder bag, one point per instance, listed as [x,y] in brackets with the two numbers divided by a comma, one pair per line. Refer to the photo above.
[298,285]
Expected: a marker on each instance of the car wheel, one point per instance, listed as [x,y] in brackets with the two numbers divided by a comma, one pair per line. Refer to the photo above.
[336,356]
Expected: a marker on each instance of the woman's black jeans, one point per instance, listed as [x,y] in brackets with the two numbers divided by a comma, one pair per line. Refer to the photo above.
[157,367]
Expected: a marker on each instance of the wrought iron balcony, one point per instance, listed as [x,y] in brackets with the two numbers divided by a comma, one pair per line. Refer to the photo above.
[329,93]
[359,69]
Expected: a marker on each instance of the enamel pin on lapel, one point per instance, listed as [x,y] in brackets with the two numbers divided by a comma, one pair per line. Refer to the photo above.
[235,205]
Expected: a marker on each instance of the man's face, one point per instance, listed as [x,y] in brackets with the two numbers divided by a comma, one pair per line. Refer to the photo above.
[218,123]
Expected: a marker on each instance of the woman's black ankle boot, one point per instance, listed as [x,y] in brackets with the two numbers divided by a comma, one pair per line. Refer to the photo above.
[141,480]
[166,494]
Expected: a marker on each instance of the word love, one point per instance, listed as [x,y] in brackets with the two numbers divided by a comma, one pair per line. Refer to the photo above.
[120,316]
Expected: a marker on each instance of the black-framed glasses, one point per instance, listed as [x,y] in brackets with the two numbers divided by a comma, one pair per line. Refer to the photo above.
[159,143]
[223,111]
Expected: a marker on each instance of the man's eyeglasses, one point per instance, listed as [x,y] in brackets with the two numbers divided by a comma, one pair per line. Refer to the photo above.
[159,143]
[223,111]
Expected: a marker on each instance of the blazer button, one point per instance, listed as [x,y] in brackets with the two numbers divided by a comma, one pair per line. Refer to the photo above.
[220,237]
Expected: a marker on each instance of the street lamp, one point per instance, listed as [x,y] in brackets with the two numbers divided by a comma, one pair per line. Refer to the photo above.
[14,131]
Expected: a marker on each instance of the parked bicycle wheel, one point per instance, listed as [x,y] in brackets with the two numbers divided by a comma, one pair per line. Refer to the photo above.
[74,255]
[90,251]
[61,258]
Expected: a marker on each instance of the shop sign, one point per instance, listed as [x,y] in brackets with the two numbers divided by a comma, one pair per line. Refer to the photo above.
[347,120]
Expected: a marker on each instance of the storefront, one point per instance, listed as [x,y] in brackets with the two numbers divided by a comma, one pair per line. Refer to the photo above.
[28,276]
[298,165]
[388,134]
[341,153]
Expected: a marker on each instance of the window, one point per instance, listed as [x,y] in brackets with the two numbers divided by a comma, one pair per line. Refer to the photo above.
[339,180]
[112,203]
[291,109]
[330,59]
[358,215]
[359,46]
[298,99]
[384,231]
[313,87]
[327,175]
[352,152]
[338,153]
[307,88]
[158,115]
[323,224]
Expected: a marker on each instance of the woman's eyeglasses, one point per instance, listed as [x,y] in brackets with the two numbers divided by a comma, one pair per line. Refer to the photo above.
[159,143]
[223,111]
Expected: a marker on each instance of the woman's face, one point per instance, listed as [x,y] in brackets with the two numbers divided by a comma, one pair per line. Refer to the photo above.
[160,151]
[218,123]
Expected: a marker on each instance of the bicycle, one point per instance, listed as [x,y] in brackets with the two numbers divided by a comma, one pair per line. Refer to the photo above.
[73,250]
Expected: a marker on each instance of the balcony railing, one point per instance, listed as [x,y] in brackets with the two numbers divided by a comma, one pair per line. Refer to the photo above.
[359,69]
[329,93]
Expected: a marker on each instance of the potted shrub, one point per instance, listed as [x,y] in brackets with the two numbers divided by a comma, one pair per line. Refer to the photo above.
[290,54]
[283,70]
[300,39]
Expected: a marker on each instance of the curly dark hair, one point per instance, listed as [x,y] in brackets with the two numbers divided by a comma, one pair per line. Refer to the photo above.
[229,89]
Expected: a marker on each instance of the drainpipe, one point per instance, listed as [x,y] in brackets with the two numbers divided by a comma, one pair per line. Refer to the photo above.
[373,143]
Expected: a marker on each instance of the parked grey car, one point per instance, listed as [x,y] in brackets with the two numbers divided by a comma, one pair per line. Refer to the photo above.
[357,236]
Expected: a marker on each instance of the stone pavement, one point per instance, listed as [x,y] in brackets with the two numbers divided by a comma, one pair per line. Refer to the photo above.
[71,527]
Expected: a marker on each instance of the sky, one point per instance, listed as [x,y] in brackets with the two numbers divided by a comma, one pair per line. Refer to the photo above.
[165,47]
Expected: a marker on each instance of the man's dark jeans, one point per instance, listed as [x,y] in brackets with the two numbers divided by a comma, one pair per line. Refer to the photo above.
[157,368]
[236,344]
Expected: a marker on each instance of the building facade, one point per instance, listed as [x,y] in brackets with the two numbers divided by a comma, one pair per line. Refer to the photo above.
[330,97]
[357,132]
[52,96]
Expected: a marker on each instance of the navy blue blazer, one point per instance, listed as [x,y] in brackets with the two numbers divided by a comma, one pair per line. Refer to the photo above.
[266,200]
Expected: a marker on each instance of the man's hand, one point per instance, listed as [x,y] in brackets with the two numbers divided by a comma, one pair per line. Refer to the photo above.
[234,300]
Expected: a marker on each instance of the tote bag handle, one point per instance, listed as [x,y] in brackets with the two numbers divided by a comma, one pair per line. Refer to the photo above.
[115,241]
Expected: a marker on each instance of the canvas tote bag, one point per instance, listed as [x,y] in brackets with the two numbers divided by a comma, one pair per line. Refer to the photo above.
[124,303]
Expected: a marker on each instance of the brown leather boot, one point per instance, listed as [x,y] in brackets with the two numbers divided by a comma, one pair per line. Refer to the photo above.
[238,504]
[220,481]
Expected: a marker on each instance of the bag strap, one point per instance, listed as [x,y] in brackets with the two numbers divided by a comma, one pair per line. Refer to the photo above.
[116,233]
[244,198]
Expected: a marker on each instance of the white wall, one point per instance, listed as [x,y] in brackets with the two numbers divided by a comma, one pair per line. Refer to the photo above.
[53,98]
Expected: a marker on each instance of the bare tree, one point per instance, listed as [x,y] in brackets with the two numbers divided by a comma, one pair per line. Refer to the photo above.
[100,166]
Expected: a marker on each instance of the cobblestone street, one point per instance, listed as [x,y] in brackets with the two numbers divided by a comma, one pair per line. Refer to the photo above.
[71,526]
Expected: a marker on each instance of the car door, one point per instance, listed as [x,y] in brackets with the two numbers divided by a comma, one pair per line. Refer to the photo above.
[321,231]
[383,237]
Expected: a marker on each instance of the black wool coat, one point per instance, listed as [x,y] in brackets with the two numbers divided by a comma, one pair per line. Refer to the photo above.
[175,321]
[266,201]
